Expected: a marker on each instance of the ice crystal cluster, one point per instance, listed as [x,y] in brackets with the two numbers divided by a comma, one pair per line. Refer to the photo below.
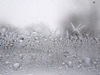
[24,53]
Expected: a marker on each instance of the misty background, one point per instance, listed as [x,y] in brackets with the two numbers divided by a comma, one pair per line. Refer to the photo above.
[52,13]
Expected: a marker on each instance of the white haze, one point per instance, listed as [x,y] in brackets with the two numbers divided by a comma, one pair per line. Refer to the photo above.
[22,13]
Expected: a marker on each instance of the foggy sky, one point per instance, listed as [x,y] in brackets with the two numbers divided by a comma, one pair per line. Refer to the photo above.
[22,13]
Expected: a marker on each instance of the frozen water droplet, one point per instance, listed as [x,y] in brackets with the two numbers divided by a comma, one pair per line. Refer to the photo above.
[61,39]
[21,56]
[71,37]
[33,54]
[87,35]
[34,34]
[63,63]
[87,60]
[95,63]
[66,54]
[16,66]
[7,62]
[60,67]
[20,41]
[7,56]
[0,56]
[66,66]
[49,55]
[80,37]
[10,66]
[57,32]
[45,39]
[37,41]
[37,65]
[3,30]
[79,65]
[69,63]
[75,37]
[80,61]
[36,38]
[67,34]
[7,73]
[27,33]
